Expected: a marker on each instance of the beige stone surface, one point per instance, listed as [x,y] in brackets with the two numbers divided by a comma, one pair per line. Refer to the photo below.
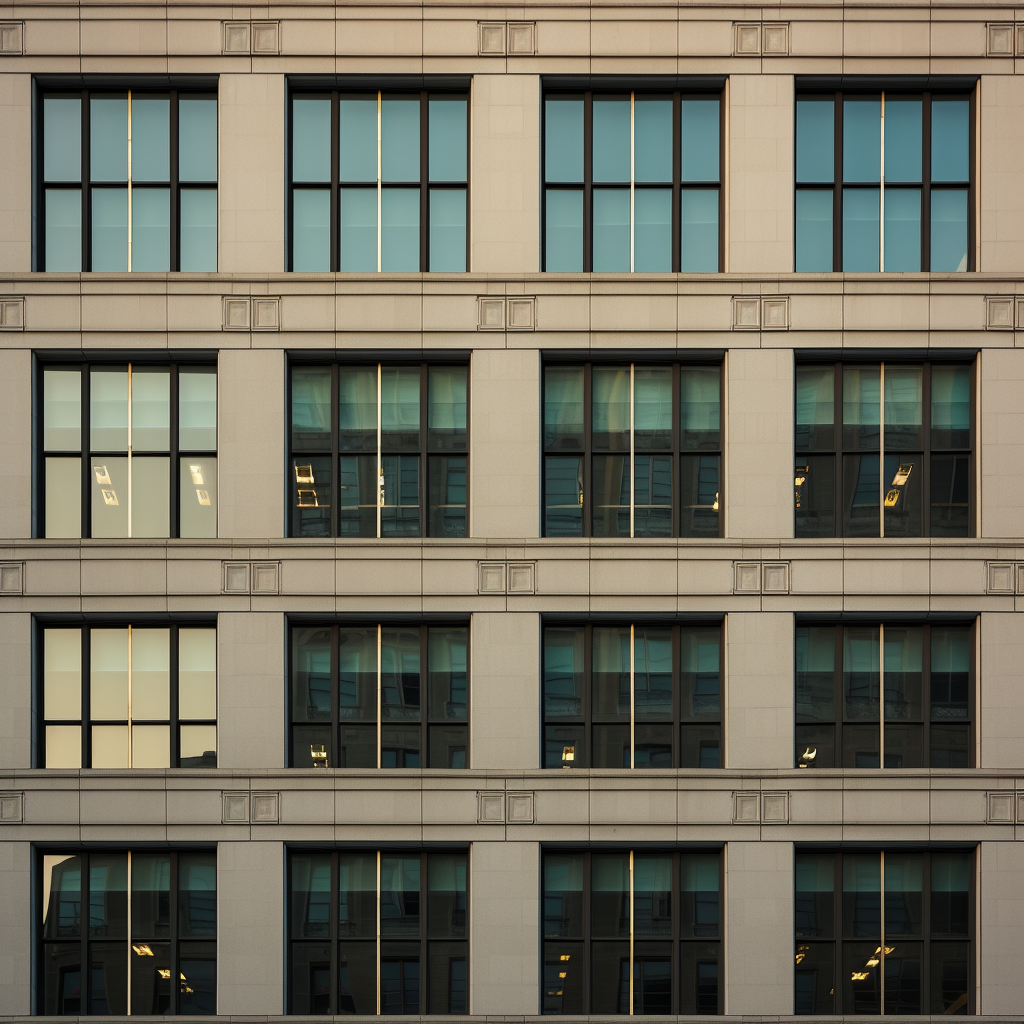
[15,925]
[16,441]
[15,172]
[1001,225]
[1002,443]
[16,743]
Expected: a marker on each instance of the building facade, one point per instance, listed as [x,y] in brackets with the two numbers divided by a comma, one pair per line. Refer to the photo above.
[511,511]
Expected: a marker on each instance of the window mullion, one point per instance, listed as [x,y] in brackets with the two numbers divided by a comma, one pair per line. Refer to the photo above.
[632,889]
[881,449]
[881,185]
[86,182]
[334,203]
[380,455]
[632,705]
[378,877]
[129,266]
[379,237]
[380,683]
[632,177]
[632,450]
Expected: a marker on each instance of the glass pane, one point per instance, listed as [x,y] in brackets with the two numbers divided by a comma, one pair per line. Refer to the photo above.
[815,407]
[197,138]
[903,674]
[108,138]
[949,230]
[400,139]
[198,746]
[652,244]
[610,978]
[62,896]
[652,672]
[400,675]
[563,497]
[108,895]
[63,498]
[400,978]
[198,990]
[197,409]
[62,138]
[311,230]
[699,977]
[951,484]
[357,978]
[446,895]
[400,230]
[358,138]
[198,497]
[700,683]
[447,651]
[652,414]
[815,978]
[860,673]
[611,139]
[860,978]
[151,746]
[698,496]
[108,401]
[446,410]
[565,746]
[903,146]
[197,895]
[950,673]
[563,672]
[700,401]
[447,496]
[311,139]
[612,747]
[563,231]
[862,887]
[447,230]
[860,495]
[110,229]
[563,142]
[63,746]
[447,146]
[815,680]
[950,746]
[563,408]
[652,978]
[860,229]
[652,490]
[902,229]
[108,966]
[313,747]
[904,898]
[699,230]
[951,407]
[610,407]
[62,678]
[357,675]
[108,674]
[311,677]
[815,150]
[151,138]
[400,407]
[903,391]
[950,893]
[860,746]
[611,230]
[359,495]
[652,139]
[311,408]
[861,406]
[357,894]
[198,252]
[448,746]
[63,230]
[862,138]
[903,505]
[150,678]
[151,497]
[700,139]
[358,229]
[310,978]
[609,895]
[814,231]
[110,746]
[151,409]
[951,139]
[109,497]
[563,981]
[903,977]
[358,748]
[699,914]
[62,409]
[610,506]
[610,672]
[814,480]
[400,896]
[151,229]
[357,414]
[950,977]
[814,902]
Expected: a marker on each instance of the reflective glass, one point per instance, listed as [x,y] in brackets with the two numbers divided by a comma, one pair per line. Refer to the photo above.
[565,746]
[150,674]
[609,895]
[861,986]
[699,120]
[197,673]
[399,407]
[357,411]
[815,145]
[151,138]
[563,141]
[949,230]
[950,499]
[815,407]
[197,138]
[108,674]
[951,119]
[563,496]
[652,895]
[62,409]
[699,496]
[902,230]
[951,407]
[311,675]
[447,496]
[563,230]
[399,896]
[861,406]
[860,229]
[311,139]
[63,515]
[446,895]
[903,654]
[903,395]
[62,138]
[700,911]
[611,230]
[359,496]
[563,407]
[151,978]
[611,128]
[447,230]
[400,230]
[400,675]
[62,679]
[699,231]
[310,988]
[357,977]
[151,746]
[815,974]
[197,895]
[63,230]
[311,508]
[151,229]
[814,231]
[563,672]
[109,487]
[814,899]
[198,251]
[358,229]
[652,672]
[446,406]
[151,409]
[311,408]
[446,160]
[610,508]
[700,406]
[860,673]
[62,896]
[357,895]
[108,895]
[151,497]
[197,409]
[108,138]
[652,231]
[652,140]
[652,408]
[862,138]
[950,971]
[110,746]
[197,746]
[400,139]
[358,138]
[699,668]
[447,666]
[610,978]
[63,746]
[902,141]
[562,990]
[862,895]
[610,407]
[311,230]
[610,696]
[109,229]
[815,679]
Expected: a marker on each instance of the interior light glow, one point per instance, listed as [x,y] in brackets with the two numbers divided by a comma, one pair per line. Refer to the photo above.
[197,475]
[859,976]
[203,497]
[892,497]
[902,475]
[102,476]
[307,499]
[304,475]
[142,949]
[109,497]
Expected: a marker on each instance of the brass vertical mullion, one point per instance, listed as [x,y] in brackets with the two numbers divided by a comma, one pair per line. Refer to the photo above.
[881,449]
[380,682]
[131,752]
[380,456]
[378,886]
[881,695]
[632,449]
[632,700]
[881,187]
[632,176]
[881,943]
[631,913]
[128,922]
[129,441]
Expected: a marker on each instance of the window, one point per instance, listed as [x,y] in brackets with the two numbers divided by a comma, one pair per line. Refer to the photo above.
[910,953]
[129,450]
[632,696]
[644,442]
[632,180]
[359,699]
[379,180]
[922,675]
[898,466]
[883,181]
[395,436]
[378,932]
[631,932]
[129,697]
[129,180]
[128,932]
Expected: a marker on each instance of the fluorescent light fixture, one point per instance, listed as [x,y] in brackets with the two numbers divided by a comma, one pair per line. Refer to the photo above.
[307,499]
[569,753]
[902,474]
[203,497]
[102,476]
[197,475]
[304,475]
[892,497]
[109,497]
[142,949]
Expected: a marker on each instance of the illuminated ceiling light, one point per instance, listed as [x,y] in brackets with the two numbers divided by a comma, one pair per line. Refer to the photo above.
[109,497]
[203,497]
[197,475]
[715,505]
[307,499]
[902,475]
[873,962]
[562,974]
[164,972]
[859,976]
[564,956]
[809,754]
[569,753]
[892,497]
[102,476]
[142,949]
[304,475]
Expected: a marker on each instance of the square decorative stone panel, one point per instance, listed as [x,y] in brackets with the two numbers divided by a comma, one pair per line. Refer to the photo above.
[491,41]
[746,808]
[12,808]
[522,314]
[235,38]
[999,312]
[12,313]
[520,808]
[748,39]
[490,807]
[1000,40]
[522,38]
[236,313]
[747,577]
[490,313]
[266,577]
[266,314]
[235,577]
[1000,808]
[1000,577]
[12,577]
[492,578]
[775,808]
[235,808]
[266,808]
[12,38]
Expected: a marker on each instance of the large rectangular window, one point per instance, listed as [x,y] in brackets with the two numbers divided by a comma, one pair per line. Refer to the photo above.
[884,450]
[128,450]
[379,180]
[632,696]
[632,180]
[127,932]
[632,450]
[128,179]
[128,697]
[885,932]
[884,180]
[631,932]
[378,450]
[378,932]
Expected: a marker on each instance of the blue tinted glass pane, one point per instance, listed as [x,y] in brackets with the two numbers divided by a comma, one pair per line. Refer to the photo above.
[197,138]
[563,140]
[311,138]
[358,138]
[62,138]
[860,229]
[151,229]
[108,138]
[611,140]
[447,147]
[699,231]
[109,229]
[359,229]
[400,140]
[311,229]
[652,140]
[151,139]
[949,230]
[447,229]
[862,139]
[815,140]
[400,230]
[563,496]
[611,230]
[652,240]
[198,229]
[699,127]
[902,141]
[902,229]
[950,133]
[63,229]
[814,231]
[563,231]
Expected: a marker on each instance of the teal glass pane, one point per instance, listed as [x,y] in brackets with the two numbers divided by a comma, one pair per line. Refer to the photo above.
[951,872]
[109,229]
[197,409]
[903,145]
[699,231]
[400,230]
[151,229]
[448,229]
[563,141]
[861,672]
[563,231]
[815,407]
[949,230]
[198,230]
[652,140]
[815,140]
[611,140]
[62,411]
[400,140]
[358,138]
[951,407]
[447,144]
[108,895]
[311,408]
[359,229]
[357,409]
[699,125]
[611,230]
[652,408]
[400,407]
[151,138]
[563,496]
[860,229]
[862,139]
[151,414]
[64,230]
[951,121]
[814,231]
[62,896]
[311,138]
[446,406]
[861,406]
[197,138]
[108,138]
[311,231]
[610,407]
[902,229]
[62,138]
[700,406]
[108,410]
[652,230]
[563,408]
